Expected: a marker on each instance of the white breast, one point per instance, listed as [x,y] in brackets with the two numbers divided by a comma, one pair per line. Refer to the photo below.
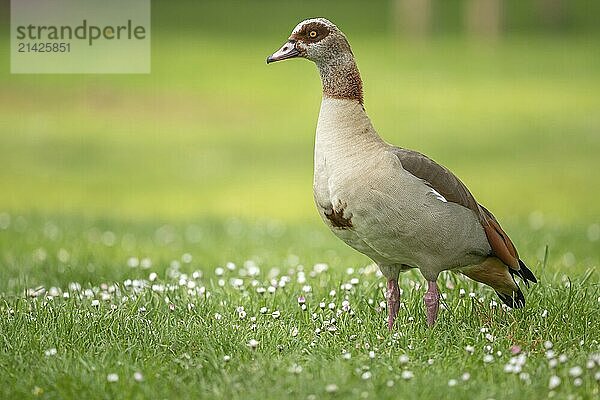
[344,138]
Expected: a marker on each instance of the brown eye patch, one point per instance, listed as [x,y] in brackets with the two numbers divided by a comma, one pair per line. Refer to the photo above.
[311,33]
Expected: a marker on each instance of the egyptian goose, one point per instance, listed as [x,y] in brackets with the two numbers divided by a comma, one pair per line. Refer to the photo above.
[397,206]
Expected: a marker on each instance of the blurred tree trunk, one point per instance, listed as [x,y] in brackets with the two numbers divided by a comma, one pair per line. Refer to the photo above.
[4,11]
[484,18]
[412,17]
[551,12]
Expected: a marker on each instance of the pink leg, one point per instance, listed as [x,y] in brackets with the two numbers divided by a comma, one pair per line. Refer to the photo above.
[393,301]
[432,302]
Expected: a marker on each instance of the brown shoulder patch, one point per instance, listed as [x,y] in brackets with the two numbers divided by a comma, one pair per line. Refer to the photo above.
[337,219]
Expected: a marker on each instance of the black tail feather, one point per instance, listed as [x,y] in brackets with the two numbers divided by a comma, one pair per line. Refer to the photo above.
[517,300]
[525,274]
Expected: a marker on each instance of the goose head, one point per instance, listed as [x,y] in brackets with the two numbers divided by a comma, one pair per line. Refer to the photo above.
[316,39]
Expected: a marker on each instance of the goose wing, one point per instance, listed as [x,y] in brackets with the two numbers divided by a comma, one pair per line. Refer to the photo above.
[440,179]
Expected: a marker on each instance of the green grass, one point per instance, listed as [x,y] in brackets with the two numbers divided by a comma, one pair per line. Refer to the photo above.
[180,352]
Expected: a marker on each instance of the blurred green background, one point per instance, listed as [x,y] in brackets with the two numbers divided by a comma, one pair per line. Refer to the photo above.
[504,93]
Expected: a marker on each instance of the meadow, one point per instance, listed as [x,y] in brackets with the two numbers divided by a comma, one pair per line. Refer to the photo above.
[158,237]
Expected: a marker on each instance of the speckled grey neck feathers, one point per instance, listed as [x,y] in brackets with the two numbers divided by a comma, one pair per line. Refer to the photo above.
[340,77]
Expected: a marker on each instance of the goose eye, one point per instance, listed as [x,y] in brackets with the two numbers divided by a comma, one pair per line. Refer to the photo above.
[313,34]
